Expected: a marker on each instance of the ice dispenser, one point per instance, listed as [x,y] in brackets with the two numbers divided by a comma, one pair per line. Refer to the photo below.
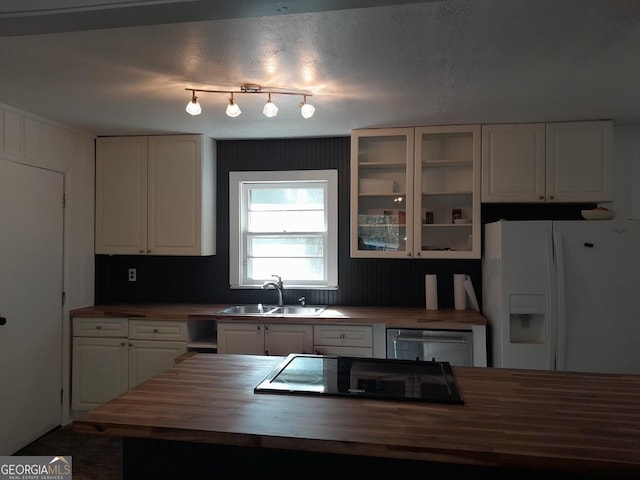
[527,318]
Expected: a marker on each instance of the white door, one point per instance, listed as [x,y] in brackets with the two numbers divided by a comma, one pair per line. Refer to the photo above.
[599,326]
[31,256]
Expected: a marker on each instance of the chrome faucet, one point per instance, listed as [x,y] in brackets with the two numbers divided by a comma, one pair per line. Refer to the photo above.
[277,285]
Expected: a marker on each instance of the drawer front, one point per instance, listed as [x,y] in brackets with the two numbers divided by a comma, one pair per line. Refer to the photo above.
[158,330]
[101,327]
[366,352]
[343,335]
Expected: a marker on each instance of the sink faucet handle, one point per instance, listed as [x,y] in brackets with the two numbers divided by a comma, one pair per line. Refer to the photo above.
[279,280]
[303,301]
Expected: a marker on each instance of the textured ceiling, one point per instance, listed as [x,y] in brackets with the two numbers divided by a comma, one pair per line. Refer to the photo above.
[367,64]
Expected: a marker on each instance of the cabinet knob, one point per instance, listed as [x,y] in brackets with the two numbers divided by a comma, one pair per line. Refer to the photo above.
[541,197]
[259,327]
[98,327]
[266,352]
[550,197]
[342,335]
[3,321]
[141,251]
[266,327]
[155,330]
[417,254]
[123,344]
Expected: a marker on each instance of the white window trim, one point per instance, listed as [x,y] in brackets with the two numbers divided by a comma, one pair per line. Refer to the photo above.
[235,233]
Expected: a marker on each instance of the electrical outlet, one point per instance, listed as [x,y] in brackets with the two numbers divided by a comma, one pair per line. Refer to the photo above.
[132,274]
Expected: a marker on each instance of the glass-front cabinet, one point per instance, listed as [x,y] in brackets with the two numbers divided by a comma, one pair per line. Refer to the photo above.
[415,192]
[382,162]
[447,192]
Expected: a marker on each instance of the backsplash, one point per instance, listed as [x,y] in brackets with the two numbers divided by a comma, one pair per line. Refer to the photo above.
[375,282]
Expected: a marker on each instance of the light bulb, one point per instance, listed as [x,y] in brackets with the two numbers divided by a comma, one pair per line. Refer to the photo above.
[270,109]
[307,110]
[193,107]
[233,110]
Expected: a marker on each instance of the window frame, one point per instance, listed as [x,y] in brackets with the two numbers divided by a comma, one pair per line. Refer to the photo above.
[238,211]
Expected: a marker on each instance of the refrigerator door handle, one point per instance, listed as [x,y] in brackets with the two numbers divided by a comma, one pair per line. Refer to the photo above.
[559,307]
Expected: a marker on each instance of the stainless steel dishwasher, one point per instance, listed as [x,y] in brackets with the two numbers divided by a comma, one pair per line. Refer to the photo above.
[453,346]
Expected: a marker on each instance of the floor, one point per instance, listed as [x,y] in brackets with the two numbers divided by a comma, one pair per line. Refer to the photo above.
[93,457]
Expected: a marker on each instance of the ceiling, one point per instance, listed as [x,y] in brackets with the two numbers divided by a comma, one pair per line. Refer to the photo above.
[121,67]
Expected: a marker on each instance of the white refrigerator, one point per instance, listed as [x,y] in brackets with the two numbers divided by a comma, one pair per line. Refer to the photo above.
[563,295]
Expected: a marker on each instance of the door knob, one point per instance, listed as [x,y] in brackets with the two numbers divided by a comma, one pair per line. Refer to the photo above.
[3,321]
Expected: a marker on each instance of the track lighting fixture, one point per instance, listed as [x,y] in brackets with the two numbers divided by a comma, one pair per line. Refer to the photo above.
[193,107]
[270,109]
[306,109]
[233,110]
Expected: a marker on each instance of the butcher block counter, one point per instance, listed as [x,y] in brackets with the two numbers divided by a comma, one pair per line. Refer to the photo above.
[407,317]
[201,418]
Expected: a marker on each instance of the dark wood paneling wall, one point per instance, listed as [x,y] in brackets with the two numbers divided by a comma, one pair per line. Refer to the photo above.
[398,282]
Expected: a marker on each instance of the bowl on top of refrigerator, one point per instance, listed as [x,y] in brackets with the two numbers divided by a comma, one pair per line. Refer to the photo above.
[599,213]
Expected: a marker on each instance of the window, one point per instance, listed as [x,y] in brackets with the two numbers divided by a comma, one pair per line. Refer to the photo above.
[286,224]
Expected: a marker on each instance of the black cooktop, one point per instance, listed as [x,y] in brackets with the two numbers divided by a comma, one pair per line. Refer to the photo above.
[304,374]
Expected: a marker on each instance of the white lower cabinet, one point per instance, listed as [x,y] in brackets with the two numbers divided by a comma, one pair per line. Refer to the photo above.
[147,358]
[112,355]
[345,340]
[264,338]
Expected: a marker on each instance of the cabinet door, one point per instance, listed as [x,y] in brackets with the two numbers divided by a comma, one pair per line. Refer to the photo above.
[281,339]
[381,193]
[148,358]
[579,161]
[181,185]
[447,192]
[99,372]
[241,338]
[121,195]
[513,162]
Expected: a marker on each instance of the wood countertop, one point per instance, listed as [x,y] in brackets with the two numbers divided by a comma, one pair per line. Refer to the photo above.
[549,421]
[408,317]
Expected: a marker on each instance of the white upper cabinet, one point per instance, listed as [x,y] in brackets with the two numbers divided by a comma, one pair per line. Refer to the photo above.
[155,195]
[415,192]
[382,163]
[447,192]
[552,162]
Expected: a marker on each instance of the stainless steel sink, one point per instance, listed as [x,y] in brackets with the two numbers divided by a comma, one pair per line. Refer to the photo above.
[298,310]
[274,310]
[258,309]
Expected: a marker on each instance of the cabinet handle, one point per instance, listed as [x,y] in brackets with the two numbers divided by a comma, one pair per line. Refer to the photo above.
[342,335]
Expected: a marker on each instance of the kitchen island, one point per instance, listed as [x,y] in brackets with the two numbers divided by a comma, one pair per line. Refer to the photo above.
[202,418]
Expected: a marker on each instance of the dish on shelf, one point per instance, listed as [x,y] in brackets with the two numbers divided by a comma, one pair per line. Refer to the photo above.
[459,221]
[598,214]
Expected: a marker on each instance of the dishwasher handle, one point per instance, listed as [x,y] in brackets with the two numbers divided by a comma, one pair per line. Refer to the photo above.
[430,338]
